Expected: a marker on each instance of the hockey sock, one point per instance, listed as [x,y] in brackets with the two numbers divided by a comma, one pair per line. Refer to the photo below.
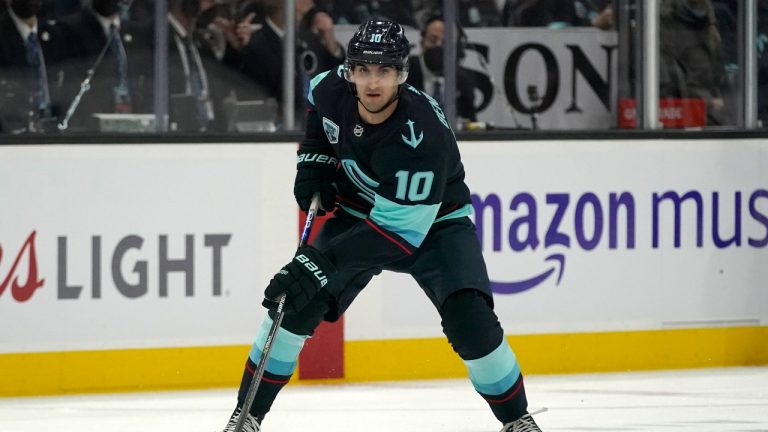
[498,379]
[476,335]
[280,366]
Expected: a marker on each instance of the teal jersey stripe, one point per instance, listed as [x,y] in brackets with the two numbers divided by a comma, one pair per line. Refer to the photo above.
[495,373]
[466,210]
[285,349]
[360,179]
[312,84]
[411,222]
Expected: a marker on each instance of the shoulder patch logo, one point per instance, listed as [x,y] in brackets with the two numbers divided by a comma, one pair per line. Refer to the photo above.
[331,130]
[413,141]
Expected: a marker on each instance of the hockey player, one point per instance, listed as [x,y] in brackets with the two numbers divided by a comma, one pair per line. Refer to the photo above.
[383,155]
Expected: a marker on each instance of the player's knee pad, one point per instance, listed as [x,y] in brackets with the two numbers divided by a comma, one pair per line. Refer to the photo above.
[470,324]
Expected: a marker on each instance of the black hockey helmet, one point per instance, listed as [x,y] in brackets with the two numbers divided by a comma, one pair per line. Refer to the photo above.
[379,42]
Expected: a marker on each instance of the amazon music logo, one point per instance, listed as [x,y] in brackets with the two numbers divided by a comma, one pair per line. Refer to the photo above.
[560,223]
[128,264]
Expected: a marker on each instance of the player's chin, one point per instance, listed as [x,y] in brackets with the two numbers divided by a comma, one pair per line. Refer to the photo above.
[372,103]
[371,107]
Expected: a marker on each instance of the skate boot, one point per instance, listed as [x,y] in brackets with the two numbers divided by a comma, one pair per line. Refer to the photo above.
[523,424]
[250,425]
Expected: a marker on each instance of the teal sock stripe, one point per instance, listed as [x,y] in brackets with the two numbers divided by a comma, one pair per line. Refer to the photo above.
[495,373]
[285,349]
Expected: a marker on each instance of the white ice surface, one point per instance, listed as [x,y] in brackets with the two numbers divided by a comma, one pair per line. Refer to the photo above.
[705,400]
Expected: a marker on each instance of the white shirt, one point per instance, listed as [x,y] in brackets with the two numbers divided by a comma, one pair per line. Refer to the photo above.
[21,26]
[430,78]
[280,32]
[107,22]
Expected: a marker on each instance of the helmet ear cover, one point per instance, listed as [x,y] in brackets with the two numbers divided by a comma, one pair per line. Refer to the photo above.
[402,71]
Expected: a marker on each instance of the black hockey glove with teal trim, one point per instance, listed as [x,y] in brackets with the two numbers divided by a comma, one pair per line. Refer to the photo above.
[315,172]
[300,280]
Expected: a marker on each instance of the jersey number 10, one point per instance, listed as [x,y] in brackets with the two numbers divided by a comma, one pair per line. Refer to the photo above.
[418,186]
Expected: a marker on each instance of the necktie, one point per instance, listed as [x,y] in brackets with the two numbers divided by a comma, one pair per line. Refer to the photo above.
[41,96]
[121,89]
[437,92]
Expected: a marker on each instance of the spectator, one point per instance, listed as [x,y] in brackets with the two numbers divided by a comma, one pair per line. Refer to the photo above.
[691,64]
[319,49]
[471,13]
[262,58]
[224,33]
[595,13]
[358,11]
[191,107]
[30,50]
[426,70]
[557,14]
[120,83]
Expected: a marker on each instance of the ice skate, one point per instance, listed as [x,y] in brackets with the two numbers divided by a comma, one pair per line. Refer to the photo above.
[250,425]
[523,424]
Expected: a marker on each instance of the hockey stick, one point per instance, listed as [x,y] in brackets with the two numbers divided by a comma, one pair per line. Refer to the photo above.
[251,395]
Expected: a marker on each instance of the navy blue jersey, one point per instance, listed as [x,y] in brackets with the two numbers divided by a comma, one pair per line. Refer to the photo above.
[400,176]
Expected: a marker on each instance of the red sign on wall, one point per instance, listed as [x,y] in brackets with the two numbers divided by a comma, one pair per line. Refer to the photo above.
[673,113]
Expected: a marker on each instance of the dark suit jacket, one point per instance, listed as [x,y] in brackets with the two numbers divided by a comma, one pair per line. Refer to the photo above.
[17,78]
[263,61]
[85,33]
[465,87]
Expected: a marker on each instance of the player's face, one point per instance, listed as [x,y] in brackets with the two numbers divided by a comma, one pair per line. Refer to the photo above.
[376,84]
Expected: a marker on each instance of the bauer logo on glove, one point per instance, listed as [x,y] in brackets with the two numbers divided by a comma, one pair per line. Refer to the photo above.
[300,280]
[313,268]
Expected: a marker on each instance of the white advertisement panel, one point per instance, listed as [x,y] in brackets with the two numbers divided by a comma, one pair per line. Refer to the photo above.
[140,246]
[603,236]
[171,245]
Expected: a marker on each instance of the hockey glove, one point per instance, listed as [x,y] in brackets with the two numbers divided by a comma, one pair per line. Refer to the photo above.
[315,172]
[300,280]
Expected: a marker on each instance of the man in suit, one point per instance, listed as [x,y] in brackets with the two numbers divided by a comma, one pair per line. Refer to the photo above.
[426,71]
[262,58]
[189,85]
[29,77]
[122,81]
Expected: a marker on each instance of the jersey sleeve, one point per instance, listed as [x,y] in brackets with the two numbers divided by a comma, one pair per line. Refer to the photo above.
[315,140]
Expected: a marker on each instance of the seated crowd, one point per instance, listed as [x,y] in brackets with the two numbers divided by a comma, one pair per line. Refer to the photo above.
[67,65]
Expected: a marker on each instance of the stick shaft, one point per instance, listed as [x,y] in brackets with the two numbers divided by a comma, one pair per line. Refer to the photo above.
[279,314]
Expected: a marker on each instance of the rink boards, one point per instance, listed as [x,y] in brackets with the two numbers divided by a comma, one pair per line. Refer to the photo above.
[129,267]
